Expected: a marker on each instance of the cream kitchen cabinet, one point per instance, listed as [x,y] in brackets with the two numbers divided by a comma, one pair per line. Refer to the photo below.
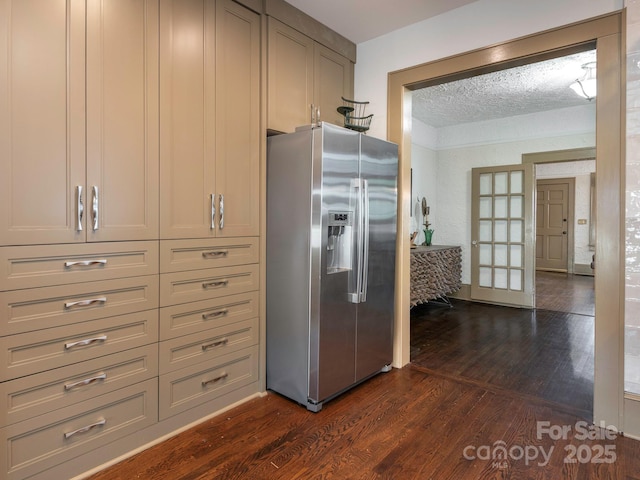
[209,119]
[306,80]
[78,121]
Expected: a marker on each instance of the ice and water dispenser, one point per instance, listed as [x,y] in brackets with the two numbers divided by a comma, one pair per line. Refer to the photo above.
[339,241]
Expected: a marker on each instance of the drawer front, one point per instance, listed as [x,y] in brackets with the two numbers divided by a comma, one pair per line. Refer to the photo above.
[182,255]
[41,266]
[193,286]
[195,317]
[34,395]
[34,352]
[39,443]
[46,307]
[187,387]
[196,348]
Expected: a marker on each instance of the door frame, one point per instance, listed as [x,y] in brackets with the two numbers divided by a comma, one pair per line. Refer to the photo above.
[606,34]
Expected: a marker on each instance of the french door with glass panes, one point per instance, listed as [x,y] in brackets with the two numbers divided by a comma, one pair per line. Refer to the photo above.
[503,235]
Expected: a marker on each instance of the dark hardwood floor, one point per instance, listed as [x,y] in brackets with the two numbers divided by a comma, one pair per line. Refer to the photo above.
[482,378]
[406,424]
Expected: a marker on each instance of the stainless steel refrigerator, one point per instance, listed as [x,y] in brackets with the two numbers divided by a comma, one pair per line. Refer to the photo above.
[331,245]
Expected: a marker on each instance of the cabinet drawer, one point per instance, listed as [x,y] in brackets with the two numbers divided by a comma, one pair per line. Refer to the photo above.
[199,347]
[34,352]
[196,317]
[41,442]
[38,394]
[187,387]
[181,255]
[38,308]
[41,266]
[182,287]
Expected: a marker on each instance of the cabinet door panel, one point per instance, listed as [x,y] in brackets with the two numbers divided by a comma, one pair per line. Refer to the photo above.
[333,80]
[238,119]
[290,78]
[187,118]
[42,119]
[122,119]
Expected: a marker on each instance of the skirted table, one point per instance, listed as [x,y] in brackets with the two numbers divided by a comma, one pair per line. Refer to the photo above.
[436,271]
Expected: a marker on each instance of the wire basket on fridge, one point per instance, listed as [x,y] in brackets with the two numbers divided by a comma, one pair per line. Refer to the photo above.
[354,117]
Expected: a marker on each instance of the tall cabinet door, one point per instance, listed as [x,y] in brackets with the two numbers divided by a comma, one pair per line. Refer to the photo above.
[290,77]
[122,120]
[187,119]
[333,80]
[237,119]
[42,157]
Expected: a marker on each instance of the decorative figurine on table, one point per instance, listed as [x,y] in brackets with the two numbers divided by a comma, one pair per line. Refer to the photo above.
[428,232]
[412,239]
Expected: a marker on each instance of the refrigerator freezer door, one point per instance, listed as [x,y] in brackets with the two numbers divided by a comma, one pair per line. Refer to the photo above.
[374,333]
[333,316]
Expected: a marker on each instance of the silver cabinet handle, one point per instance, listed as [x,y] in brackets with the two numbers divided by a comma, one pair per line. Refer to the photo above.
[215,254]
[94,208]
[85,342]
[365,240]
[216,314]
[79,208]
[87,381]
[215,380]
[99,423]
[221,206]
[213,211]
[218,284]
[218,343]
[318,115]
[85,263]
[85,303]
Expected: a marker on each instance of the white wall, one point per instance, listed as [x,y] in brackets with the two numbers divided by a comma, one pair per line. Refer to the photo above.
[425,178]
[477,25]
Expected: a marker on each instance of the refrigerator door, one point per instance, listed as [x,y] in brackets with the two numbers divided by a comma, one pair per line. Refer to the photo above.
[374,331]
[333,315]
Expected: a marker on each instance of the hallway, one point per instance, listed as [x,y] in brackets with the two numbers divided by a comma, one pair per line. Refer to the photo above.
[538,354]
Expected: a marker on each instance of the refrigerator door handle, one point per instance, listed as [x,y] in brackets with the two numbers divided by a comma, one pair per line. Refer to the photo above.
[365,241]
[355,294]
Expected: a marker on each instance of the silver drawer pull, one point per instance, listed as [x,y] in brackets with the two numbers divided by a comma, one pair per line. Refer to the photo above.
[85,263]
[99,423]
[87,381]
[215,254]
[85,303]
[215,380]
[85,342]
[218,284]
[219,343]
[216,314]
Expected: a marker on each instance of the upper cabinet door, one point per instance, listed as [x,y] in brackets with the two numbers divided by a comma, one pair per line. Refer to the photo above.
[122,120]
[42,149]
[290,77]
[187,119]
[237,120]
[333,80]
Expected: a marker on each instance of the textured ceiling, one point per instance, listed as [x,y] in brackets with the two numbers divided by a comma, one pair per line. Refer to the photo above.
[362,20]
[531,88]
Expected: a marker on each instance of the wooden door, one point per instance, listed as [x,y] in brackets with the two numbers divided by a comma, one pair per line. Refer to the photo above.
[552,224]
[502,234]
[237,120]
[42,118]
[290,77]
[333,80]
[122,120]
[187,119]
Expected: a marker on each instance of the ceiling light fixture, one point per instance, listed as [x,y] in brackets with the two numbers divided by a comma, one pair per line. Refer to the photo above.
[586,86]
